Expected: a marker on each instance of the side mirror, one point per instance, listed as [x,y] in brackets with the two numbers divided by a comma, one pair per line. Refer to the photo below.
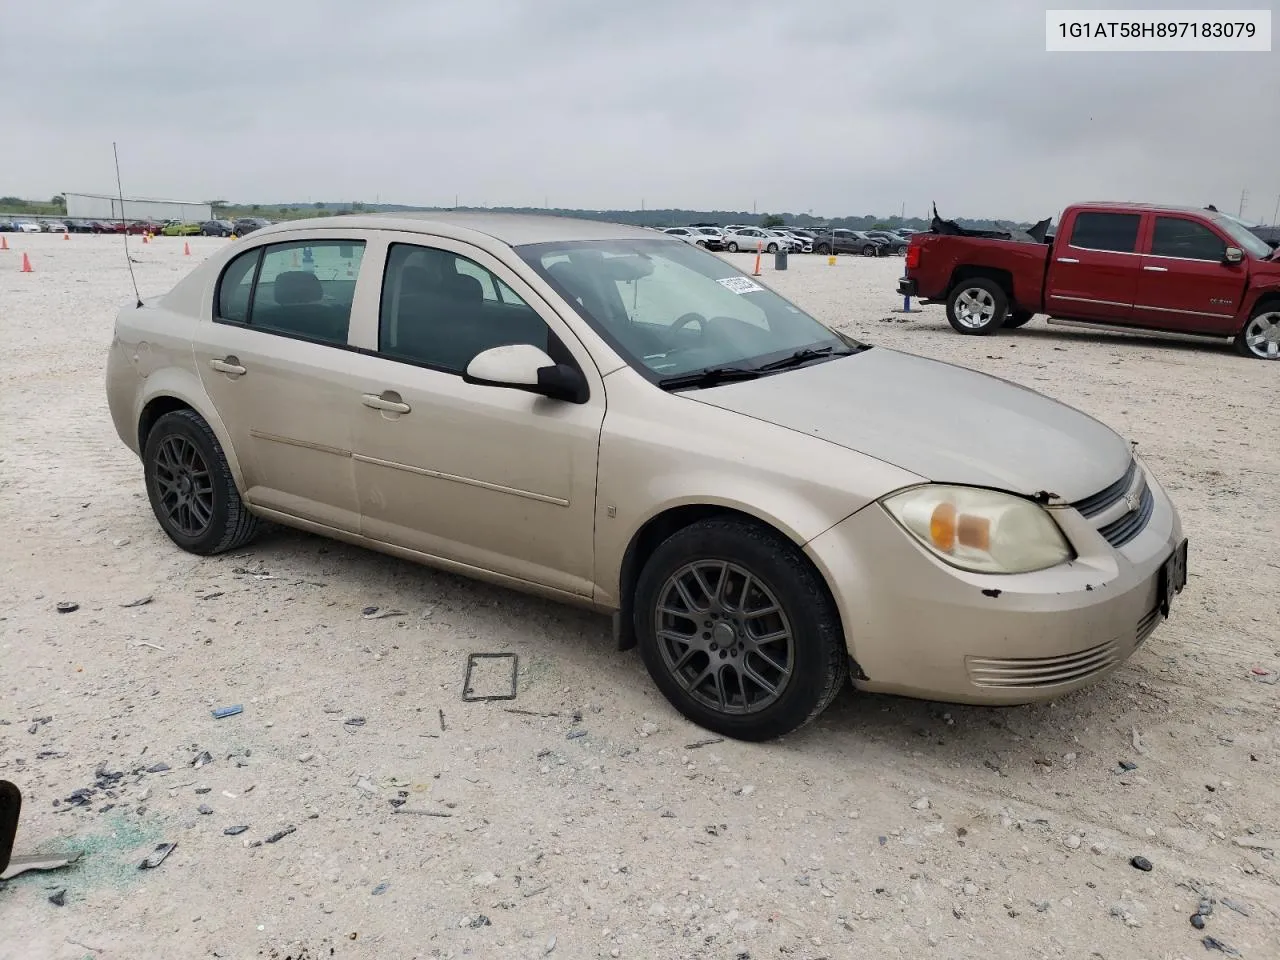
[522,366]
[1233,255]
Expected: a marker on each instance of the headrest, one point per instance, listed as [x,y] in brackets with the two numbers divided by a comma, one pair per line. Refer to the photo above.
[298,286]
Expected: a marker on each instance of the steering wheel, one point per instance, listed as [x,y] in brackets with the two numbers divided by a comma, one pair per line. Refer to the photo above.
[689,319]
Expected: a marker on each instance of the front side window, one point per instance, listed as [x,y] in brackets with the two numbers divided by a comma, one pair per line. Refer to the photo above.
[440,309]
[1113,232]
[671,308]
[299,288]
[1187,240]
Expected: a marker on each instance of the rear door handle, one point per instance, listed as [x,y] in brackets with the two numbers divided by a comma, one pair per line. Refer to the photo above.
[1157,269]
[388,401]
[228,365]
[1068,260]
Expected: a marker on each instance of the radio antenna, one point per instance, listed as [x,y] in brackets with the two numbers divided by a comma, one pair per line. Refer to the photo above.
[124,227]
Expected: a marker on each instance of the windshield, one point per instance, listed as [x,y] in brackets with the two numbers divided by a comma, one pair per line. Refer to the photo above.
[1244,238]
[671,308]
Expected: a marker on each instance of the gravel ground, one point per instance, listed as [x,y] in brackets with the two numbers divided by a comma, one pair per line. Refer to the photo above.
[578,821]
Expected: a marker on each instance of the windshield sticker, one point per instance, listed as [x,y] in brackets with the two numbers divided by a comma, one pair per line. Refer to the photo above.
[740,284]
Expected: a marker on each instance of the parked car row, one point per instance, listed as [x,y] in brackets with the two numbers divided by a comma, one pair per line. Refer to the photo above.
[167,228]
[738,236]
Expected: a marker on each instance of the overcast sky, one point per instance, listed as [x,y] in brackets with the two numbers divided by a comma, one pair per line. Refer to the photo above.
[836,107]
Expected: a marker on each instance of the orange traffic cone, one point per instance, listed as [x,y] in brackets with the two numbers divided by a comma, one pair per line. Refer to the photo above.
[146,238]
[66,235]
[26,264]
[4,242]
[186,249]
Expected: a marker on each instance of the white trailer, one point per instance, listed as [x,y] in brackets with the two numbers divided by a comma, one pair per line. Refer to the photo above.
[98,206]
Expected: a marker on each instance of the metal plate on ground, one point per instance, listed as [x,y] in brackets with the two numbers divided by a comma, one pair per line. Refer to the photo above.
[490,676]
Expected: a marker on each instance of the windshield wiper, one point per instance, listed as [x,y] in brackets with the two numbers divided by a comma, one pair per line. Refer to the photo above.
[804,356]
[707,378]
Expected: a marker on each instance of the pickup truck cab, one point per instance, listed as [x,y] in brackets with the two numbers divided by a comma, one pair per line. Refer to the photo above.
[1125,265]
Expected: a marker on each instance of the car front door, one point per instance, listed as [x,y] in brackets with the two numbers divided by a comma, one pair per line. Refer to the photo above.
[491,478]
[1186,283]
[275,362]
[1095,268]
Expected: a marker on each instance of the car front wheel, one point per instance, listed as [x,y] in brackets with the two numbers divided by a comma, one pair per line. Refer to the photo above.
[732,247]
[771,248]
[1260,337]
[190,486]
[738,631]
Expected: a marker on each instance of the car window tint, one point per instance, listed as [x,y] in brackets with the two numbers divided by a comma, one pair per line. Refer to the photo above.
[441,309]
[235,286]
[306,289]
[1115,232]
[1175,237]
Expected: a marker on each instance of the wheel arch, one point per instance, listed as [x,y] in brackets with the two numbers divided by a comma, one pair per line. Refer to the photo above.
[675,517]
[966,272]
[168,391]
[1269,297]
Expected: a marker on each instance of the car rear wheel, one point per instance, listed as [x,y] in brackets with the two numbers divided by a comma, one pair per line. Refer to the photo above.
[1018,318]
[190,486]
[900,251]
[700,243]
[732,247]
[1260,337]
[869,251]
[738,631]
[977,307]
[822,249]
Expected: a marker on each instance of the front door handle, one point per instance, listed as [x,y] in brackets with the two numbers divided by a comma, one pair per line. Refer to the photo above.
[1157,269]
[228,365]
[1068,260]
[388,400]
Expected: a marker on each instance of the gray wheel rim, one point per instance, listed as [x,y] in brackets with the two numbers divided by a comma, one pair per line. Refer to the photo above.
[975,308]
[724,637]
[1262,336]
[184,486]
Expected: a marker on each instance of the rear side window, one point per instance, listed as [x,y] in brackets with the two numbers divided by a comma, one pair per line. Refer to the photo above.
[301,289]
[1186,239]
[1116,232]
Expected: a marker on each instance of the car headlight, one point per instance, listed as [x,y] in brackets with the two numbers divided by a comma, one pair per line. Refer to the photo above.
[980,530]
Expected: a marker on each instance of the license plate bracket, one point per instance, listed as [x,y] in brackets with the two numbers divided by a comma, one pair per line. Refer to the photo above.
[1173,577]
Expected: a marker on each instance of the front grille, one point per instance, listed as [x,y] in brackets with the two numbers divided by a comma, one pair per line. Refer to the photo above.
[1092,506]
[1041,672]
[1120,532]
[1147,625]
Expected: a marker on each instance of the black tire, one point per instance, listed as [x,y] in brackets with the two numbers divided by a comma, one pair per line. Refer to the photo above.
[869,250]
[986,290]
[771,248]
[731,247]
[1018,318]
[700,243]
[822,249]
[900,251]
[818,657]
[229,523]
[1259,324]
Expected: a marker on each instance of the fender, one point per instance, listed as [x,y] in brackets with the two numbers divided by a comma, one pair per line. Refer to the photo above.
[184,385]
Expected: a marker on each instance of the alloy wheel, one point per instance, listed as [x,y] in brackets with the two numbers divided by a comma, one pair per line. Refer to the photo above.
[975,307]
[1262,335]
[724,637]
[184,485]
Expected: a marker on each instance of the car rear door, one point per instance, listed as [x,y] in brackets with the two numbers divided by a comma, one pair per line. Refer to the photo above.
[491,478]
[275,361]
[1186,283]
[1095,267]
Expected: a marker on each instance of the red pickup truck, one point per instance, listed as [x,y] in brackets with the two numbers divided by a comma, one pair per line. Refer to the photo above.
[1126,265]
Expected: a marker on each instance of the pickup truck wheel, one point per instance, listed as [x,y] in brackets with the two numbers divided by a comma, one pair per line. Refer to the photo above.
[1260,337]
[977,307]
[1018,318]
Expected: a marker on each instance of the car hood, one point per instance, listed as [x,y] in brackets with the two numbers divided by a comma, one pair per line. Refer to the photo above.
[939,421]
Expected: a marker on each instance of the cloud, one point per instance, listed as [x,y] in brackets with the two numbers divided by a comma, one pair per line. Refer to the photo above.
[800,105]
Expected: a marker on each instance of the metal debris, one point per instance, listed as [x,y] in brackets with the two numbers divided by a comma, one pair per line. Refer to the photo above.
[59,897]
[202,759]
[221,712]
[468,693]
[67,606]
[235,831]
[140,602]
[157,856]
[41,861]
[281,834]
[697,744]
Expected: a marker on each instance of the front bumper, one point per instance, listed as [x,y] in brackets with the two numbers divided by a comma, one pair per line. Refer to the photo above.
[919,627]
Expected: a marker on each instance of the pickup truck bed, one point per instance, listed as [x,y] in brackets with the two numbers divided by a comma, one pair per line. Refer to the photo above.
[1120,265]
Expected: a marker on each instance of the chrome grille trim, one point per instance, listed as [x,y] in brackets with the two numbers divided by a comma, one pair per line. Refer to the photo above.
[1100,501]
[1120,532]
[1041,672]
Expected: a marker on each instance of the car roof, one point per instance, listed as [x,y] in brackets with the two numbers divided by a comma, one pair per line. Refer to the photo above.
[1138,206]
[513,229]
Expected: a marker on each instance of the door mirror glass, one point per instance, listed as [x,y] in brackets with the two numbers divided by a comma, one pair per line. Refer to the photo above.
[1234,255]
[521,366]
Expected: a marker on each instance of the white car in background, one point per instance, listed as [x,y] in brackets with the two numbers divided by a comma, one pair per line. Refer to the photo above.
[751,239]
[687,234]
[798,244]
[26,226]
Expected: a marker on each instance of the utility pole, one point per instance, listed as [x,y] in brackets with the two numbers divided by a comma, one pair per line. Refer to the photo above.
[1244,195]
[1275,214]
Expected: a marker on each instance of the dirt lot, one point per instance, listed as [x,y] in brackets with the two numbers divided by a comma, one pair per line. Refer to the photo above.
[595,831]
